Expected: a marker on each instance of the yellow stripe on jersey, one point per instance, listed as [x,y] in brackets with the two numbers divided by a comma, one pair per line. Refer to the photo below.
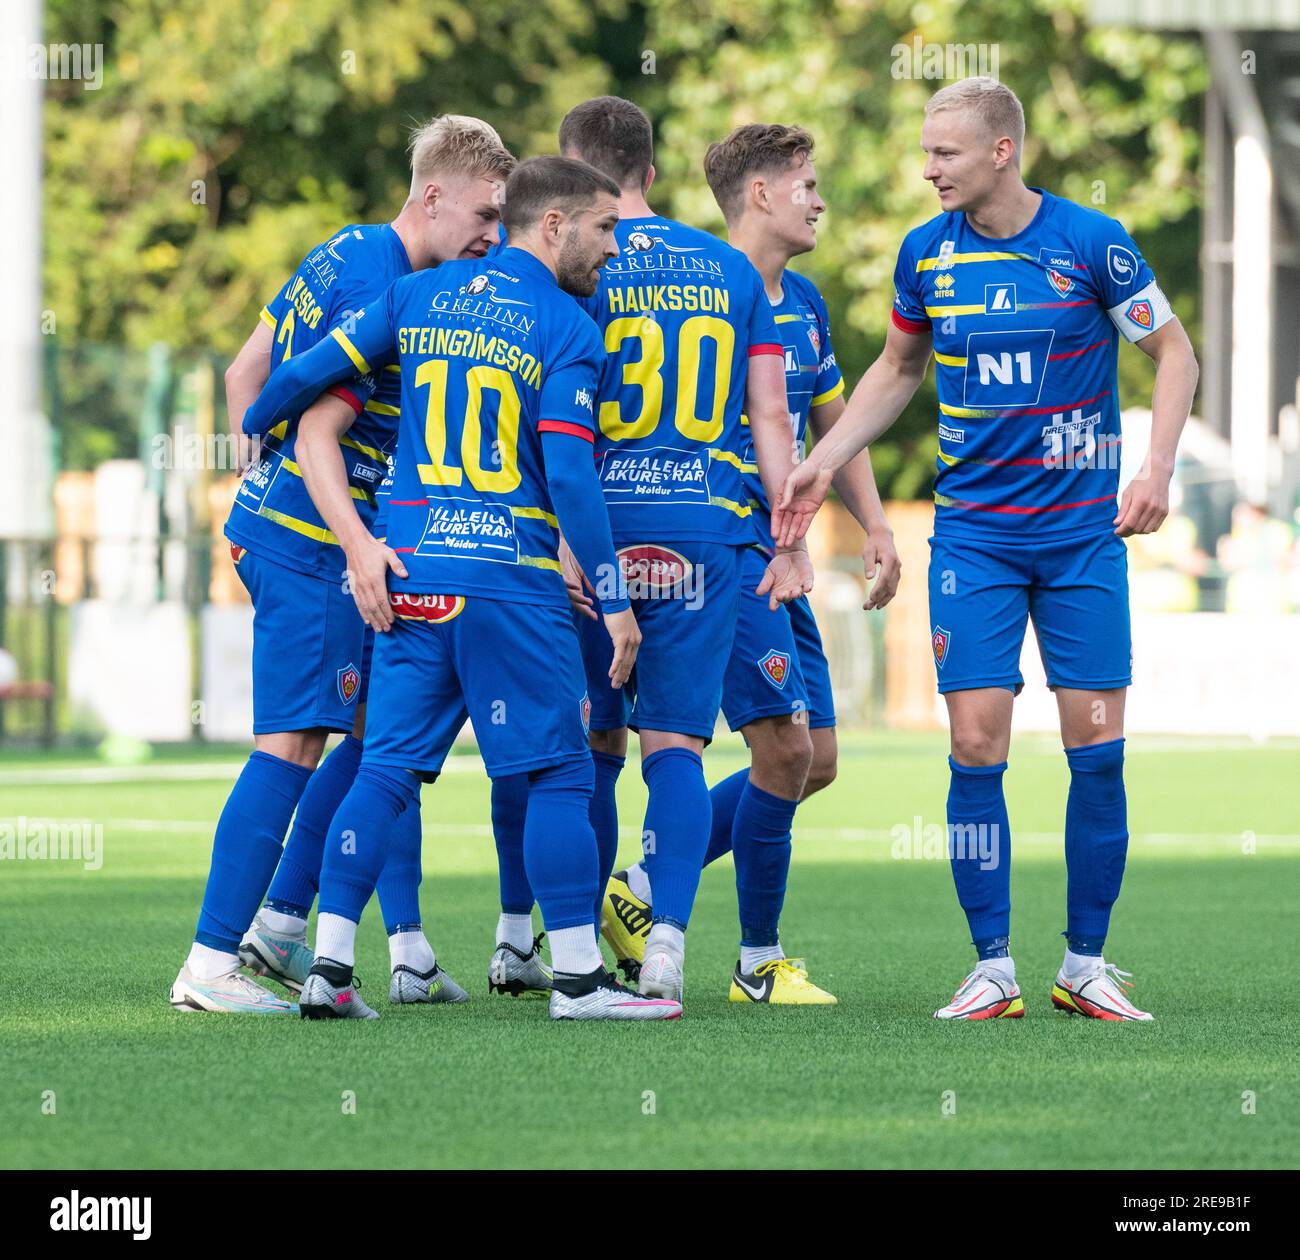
[382,409]
[357,493]
[267,318]
[393,367]
[540,562]
[730,504]
[950,360]
[788,319]
[834,392]
[966,413]
[350,350]
[955,260]
[749,468]
[535,514]
[280,430]
[726,456]
[942,312]
[317,532]
[378,456]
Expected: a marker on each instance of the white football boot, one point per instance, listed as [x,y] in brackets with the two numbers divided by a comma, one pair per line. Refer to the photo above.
[985,994]
[434,985]
[661,974]
[599,996]
[286,959]
[231,993]
[1098,993]
[330,992]
[517,974]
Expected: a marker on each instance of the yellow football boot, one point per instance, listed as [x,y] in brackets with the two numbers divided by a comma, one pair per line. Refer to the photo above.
[781,982]
[625,925]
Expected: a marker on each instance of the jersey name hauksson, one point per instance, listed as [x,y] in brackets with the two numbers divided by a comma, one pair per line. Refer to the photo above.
[680,312]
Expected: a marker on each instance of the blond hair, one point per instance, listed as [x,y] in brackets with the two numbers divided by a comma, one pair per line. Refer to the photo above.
[455,144]
[996,106]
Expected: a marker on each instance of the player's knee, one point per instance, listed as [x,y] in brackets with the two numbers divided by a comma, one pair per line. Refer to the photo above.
[612,742]
[822,771]
[782,761]
[975,746]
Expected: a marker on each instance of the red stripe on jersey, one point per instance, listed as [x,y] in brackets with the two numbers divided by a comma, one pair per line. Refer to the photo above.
[348,397]
[1040,306]
[913,326]
[565,426]
[765,348]
[1018,510]
[408,502]
[1073,354]
[1006,413]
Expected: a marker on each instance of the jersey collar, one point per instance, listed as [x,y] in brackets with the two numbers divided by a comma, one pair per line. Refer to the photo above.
[1005,242]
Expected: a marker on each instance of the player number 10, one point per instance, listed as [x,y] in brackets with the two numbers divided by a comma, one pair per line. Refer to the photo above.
[646,373]
[433,372]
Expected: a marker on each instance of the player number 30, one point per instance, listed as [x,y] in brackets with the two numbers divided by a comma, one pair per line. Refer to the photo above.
[646,373]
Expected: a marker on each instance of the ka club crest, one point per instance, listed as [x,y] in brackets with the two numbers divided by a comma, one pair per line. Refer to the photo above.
[349,682]
[1062,284]
[776,665]
[940,640]
[1140,314]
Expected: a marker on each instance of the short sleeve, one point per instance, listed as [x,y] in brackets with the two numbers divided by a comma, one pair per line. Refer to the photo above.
[830,382]
[569,389]
[1126,285]
[909,308]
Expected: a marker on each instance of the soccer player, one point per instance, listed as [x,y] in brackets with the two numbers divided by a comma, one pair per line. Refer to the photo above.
[309,648]
[690,342]
[777,690]
[499,371]
[1023,297]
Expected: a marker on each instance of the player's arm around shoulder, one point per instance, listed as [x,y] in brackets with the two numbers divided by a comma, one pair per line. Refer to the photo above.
[247,373]
[324,472]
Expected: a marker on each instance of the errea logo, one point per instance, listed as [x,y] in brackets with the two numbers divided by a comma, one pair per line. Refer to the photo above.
[582,399]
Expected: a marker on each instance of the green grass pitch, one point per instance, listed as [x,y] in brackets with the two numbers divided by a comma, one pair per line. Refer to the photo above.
[1207,928]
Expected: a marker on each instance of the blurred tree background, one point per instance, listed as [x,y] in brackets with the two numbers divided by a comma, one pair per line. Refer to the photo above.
[229,138]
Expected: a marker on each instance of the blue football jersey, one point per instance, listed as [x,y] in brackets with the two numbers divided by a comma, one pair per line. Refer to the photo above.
[680,312]
[812,377]
[1026,333]
[492,354]
[272,511]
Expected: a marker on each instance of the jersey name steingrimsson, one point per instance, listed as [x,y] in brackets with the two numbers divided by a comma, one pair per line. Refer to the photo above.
[272,511]
[1026,334]
[492,354]
[680,312]
[812,377]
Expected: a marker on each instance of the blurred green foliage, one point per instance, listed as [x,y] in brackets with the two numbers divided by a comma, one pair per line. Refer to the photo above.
[229,138]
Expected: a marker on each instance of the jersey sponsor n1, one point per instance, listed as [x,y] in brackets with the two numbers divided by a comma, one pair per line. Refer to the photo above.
[492,354]
[272,511]
[1026,334]
[680,312]
[812,377]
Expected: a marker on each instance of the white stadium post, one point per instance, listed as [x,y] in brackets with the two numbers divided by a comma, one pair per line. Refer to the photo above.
[26,500]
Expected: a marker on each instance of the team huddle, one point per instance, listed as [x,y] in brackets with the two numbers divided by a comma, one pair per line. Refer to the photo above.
[531,455]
